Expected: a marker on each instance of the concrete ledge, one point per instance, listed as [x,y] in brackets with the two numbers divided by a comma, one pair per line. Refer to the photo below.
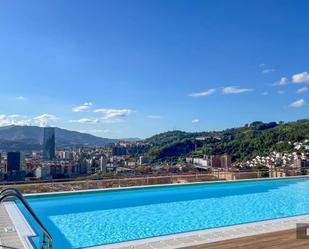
[8,232]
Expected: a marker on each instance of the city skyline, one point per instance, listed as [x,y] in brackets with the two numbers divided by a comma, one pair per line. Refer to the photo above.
[120,69]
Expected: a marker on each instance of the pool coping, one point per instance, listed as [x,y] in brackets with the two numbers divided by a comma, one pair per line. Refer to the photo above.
[23,228]
[178,240]
[9,237]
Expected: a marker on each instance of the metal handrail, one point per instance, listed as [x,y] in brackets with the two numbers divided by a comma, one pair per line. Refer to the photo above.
[12,192]
[10,189]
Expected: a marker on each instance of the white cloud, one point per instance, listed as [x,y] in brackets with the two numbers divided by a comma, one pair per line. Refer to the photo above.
[297,103]
[13,119]
[235,90]
[203,94]
[21,98]
[154,116]
[280,92]
[44,119]
[301,78]
[265,93]
[14,116]
[109,114]
[268,70]
[283,81]
[95,131]
[86,121]
[262,65]
[4,121]
[83,107]
[194,121]
[302,90]
[22,122]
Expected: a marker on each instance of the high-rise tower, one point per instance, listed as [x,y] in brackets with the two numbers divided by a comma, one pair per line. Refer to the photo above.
[15,166]
[49,150]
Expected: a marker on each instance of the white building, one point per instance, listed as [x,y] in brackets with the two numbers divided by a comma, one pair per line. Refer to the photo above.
[43,172]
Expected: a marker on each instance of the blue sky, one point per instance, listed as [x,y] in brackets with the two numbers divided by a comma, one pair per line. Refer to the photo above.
[133,68]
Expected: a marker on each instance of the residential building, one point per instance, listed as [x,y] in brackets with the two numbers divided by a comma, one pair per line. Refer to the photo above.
[103,163]
[43,172]
[226,161]
[215,161]
[143,160]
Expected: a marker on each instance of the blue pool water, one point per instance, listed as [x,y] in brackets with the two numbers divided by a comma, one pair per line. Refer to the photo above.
[83,220]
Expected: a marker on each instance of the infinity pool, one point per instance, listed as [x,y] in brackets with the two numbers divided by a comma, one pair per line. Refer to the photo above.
[103,217]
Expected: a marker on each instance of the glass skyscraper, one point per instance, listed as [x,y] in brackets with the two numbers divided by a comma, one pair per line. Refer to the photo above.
[13,161]
[49,150]
[15,167]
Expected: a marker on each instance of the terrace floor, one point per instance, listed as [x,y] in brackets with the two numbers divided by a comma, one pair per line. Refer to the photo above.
[8,234]
[277,240]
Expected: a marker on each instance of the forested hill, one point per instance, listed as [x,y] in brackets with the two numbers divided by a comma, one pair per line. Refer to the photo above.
[242,143]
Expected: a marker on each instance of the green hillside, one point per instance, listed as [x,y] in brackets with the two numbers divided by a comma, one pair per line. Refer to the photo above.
[242,143]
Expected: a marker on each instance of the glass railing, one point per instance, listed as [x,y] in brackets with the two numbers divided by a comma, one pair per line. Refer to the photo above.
[164,178]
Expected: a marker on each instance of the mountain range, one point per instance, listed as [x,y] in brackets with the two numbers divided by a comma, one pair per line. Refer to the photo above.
[243,143]
[30,138]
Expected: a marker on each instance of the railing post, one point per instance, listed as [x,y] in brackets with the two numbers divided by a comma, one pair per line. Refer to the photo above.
[44,241]
[50,244]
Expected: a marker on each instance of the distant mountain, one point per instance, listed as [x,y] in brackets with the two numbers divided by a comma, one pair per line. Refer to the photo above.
[30,138]
[130,139]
